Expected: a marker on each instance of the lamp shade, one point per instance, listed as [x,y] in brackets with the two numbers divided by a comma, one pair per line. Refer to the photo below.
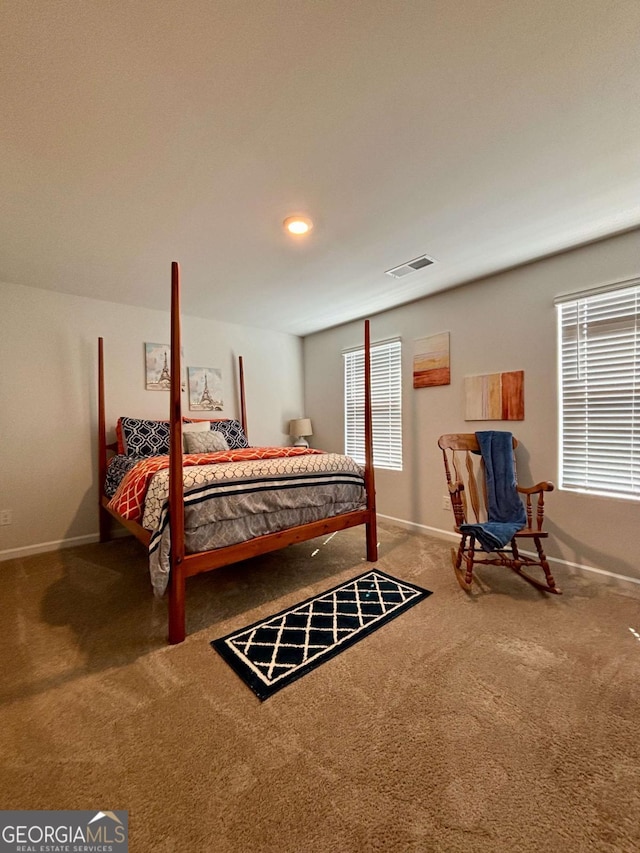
[300,426]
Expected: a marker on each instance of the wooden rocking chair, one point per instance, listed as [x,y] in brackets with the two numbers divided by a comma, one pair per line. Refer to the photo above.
[461,454]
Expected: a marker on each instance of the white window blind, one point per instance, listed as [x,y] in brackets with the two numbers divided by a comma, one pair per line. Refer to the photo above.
[386,404]
[599,394]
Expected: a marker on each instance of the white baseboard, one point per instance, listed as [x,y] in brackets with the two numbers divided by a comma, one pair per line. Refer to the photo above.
[449,535]
[421,528]
[43,547]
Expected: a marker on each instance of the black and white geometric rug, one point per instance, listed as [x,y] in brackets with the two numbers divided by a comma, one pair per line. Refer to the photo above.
[272,653]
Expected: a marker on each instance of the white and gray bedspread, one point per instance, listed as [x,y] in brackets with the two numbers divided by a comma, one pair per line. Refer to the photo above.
[231,502]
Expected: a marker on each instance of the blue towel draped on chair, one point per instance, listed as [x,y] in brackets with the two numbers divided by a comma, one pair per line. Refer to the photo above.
[505,512]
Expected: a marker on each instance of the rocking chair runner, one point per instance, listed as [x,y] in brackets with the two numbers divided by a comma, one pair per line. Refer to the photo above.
[459,451]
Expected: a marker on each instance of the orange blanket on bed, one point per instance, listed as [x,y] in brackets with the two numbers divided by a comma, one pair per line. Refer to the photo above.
[128,500]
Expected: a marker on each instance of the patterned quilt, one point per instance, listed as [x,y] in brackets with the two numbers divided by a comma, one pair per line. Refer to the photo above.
[232,496]
[128,499]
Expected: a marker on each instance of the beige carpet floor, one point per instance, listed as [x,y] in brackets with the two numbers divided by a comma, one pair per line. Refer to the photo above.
[507,721]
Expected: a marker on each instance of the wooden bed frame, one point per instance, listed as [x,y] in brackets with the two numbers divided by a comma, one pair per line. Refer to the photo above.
[185,565]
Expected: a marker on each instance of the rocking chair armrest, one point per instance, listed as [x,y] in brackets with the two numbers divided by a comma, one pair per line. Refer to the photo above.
[456,487]
[539,487]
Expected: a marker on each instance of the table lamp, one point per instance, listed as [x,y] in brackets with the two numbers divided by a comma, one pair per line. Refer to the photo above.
[298,429]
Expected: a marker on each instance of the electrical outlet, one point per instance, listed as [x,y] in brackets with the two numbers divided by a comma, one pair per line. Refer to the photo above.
[6,517]
[446,502]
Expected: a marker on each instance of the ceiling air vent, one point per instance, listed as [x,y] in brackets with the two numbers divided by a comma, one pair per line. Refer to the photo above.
[411,266]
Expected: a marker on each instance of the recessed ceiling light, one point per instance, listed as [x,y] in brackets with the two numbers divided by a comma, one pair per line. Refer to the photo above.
[298,225]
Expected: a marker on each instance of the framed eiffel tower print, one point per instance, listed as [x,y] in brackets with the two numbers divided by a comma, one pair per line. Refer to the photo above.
[205,389]
[157,358]
[157,361]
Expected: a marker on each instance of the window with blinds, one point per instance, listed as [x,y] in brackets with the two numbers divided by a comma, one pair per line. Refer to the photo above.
[599,394]
[386,404]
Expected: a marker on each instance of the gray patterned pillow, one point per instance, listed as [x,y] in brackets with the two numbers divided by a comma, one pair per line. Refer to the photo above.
[194,427]
[205,442]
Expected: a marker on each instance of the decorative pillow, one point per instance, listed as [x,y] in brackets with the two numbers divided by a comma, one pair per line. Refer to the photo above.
[205,442]
[196,426]
[145,438]
[233,433]
[116,469]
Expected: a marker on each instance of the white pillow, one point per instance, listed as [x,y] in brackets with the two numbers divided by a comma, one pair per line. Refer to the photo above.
[201,426]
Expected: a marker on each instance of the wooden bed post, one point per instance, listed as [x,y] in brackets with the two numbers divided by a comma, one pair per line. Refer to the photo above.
[177,626]
[243,407]
[369,477]
[103,516]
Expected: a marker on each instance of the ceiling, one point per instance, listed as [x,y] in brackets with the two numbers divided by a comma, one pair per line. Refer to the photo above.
[484,133]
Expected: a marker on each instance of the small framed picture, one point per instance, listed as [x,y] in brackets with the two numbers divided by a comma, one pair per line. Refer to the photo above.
[157,359]
[205,389]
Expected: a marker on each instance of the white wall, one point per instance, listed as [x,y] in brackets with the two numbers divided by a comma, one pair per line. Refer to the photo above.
[504,322]
[48,397]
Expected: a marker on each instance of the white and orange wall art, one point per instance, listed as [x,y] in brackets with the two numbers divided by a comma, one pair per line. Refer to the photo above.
[431,361]
[495,396]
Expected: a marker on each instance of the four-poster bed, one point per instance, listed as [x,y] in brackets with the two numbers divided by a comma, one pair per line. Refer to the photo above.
[184,564]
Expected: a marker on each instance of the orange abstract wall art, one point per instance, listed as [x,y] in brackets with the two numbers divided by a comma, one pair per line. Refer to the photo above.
[495,397]
[431,361]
